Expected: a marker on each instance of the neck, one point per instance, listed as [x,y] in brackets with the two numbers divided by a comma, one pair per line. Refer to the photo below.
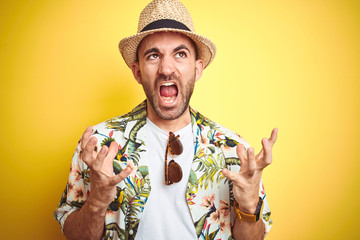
[168,125]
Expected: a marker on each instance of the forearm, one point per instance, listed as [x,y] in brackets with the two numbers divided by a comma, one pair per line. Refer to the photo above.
[86,223]
[248,230]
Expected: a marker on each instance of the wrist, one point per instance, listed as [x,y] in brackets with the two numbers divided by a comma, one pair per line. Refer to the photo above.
[248,206]
[248,210]
[96,206]
[253,216]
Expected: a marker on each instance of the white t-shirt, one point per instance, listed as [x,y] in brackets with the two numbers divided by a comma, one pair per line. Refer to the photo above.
[166,214]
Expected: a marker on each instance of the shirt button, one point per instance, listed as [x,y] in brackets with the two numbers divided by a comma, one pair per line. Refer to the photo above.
[131,232]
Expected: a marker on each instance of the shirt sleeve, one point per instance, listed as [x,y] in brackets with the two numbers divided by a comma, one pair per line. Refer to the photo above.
[76,191]
[265,215]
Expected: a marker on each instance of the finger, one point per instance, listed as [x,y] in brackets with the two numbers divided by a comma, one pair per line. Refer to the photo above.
[85,137]
[113,149]
[251,161]
[233,176]
[240,151]
[123,174]
[132,166]
[267,147]
[108,162]
[265,154]
[98,162]
[273,136]
[88,152]
[260,154]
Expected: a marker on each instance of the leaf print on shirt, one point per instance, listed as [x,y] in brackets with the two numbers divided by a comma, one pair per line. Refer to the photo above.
[134,151]
[136,193]
[209,236]
[202,121]
[118,200]
[139,112]
[266,217]
[109,228]
[211,220]
[211,167]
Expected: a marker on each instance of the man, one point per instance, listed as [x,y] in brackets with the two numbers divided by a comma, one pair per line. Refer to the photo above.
[164,171]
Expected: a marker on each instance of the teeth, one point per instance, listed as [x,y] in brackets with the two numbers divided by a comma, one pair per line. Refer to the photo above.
[167,84]
[168,99]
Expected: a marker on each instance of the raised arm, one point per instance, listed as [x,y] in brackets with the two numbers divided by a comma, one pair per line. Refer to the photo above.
[246,186]
[89,221]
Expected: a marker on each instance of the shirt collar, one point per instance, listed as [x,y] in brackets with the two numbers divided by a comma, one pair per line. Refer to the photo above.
[137,119]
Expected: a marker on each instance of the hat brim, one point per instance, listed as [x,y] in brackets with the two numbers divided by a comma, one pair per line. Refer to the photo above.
[206,49]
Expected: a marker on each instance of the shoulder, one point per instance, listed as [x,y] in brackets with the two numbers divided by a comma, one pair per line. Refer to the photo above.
[214,131]
[118,124]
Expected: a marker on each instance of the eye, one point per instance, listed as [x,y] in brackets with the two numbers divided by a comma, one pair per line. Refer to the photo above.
[153,56]
[181,54]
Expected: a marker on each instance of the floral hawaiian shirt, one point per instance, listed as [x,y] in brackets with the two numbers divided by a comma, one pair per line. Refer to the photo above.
[209,193]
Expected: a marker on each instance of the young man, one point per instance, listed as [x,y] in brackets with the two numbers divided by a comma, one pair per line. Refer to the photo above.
[164,171]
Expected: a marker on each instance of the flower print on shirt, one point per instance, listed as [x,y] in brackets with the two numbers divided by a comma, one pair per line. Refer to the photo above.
[208,193]
[208,201]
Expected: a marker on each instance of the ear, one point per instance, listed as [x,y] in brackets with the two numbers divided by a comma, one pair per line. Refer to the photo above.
[199,67]
[135,68]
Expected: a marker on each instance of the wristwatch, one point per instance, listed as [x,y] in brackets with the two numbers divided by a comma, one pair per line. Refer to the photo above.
[249,217]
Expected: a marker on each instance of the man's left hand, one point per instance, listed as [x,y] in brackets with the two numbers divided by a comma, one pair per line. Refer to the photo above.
[246,182]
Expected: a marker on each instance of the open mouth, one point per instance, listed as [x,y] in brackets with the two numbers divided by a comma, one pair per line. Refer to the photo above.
[168,92]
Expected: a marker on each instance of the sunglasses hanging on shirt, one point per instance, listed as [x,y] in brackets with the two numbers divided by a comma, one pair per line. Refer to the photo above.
[173,172]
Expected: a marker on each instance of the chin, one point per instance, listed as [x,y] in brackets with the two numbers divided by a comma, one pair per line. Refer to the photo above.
[169,114]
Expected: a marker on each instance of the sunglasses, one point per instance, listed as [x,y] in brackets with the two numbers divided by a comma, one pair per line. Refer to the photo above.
[173,172]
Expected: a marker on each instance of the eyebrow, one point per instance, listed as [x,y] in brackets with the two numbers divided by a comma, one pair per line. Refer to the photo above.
[182,46]
[156,50]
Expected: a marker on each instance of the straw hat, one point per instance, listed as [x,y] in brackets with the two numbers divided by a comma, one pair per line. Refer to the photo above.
[166,15]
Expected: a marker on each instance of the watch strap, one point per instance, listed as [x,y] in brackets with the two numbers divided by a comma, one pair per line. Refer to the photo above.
[249,217]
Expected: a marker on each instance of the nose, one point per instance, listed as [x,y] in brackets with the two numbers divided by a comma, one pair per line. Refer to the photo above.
[166,66]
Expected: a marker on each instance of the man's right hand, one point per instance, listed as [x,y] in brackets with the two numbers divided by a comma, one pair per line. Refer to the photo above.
[88,222]
[102,179]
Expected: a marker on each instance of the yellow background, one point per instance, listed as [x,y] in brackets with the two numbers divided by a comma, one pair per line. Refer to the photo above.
[289,64]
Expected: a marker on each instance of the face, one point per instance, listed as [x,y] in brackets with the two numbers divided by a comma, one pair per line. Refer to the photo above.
[167,70]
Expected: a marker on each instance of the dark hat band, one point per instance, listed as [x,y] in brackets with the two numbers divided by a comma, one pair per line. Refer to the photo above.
[165,23]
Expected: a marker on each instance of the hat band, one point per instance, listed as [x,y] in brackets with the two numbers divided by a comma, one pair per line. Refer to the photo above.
[165,23]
